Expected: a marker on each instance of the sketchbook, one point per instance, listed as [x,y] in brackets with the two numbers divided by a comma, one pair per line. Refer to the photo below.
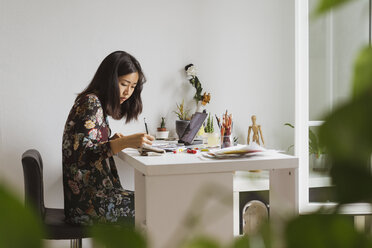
[236,151]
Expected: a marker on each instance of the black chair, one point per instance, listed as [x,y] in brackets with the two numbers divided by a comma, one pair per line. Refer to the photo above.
[53,218]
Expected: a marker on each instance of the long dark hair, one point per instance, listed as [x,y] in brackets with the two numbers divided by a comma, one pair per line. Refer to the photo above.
[105,85]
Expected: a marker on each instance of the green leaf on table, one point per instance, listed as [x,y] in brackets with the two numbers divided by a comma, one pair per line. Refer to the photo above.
[19,226]
[362,80]
[324,231]
[114,236]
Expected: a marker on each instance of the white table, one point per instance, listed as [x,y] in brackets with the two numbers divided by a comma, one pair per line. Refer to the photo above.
[168,187]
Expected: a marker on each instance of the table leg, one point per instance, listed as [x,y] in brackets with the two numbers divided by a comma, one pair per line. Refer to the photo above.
[283,194]
[236,214]
[177,207]
[140,199]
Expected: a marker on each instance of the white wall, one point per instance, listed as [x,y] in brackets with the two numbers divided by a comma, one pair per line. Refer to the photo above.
[49,51]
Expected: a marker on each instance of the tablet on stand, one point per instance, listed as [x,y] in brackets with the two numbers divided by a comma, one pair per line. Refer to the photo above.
[188,136]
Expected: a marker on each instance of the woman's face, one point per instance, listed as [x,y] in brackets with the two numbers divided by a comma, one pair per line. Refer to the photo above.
[127,84]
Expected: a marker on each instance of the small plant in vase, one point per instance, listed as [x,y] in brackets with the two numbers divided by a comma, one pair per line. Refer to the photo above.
[184,119]
[318,159]
[212,137]
[209,127]
[162,132]
[181,112]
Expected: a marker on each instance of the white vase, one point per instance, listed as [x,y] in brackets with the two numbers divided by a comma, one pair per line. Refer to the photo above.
[319,163]
[199,107]
[162,135]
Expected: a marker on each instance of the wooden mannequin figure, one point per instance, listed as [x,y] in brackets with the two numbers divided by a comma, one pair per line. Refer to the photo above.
[257,132]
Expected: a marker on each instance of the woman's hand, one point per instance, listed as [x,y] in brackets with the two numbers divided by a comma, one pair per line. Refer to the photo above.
[119,142]
[138,139]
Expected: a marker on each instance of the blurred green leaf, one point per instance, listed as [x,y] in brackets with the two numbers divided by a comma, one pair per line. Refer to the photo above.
[115,236]
[19,226]
[324,6]
[201,242]
[353,183]
[241,242]
[347,132]
[362,80]
[267,234]
[347,135]
[324,231]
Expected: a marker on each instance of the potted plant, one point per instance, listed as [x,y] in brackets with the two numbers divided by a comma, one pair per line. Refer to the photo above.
[317,156]
[212,137]
[162,132]
[183,117]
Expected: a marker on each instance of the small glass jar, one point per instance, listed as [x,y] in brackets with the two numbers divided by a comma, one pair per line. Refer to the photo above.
[226,141]
[213,139]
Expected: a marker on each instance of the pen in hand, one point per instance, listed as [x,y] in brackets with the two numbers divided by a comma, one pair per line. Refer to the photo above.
[147,131]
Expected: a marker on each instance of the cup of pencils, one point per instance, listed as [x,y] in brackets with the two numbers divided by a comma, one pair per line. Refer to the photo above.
[226,130]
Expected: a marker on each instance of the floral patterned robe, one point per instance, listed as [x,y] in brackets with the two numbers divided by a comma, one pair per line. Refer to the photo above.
[92,188]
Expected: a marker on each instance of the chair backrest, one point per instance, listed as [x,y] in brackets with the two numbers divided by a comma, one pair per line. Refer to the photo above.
[34,185]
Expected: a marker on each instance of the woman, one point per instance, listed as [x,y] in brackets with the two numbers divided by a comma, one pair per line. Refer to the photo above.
[92,188]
